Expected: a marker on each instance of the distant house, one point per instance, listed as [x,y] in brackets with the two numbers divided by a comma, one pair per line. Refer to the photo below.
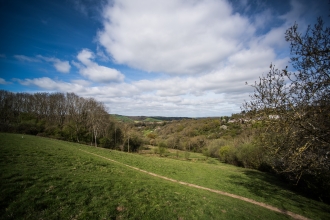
[273,116]
[224,127]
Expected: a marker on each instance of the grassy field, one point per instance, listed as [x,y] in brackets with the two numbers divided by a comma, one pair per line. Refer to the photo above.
[153,151]
[49,179]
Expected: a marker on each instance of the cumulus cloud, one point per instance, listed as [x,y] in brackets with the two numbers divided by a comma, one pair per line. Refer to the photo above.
[95,72]
[60,66]
[174,36]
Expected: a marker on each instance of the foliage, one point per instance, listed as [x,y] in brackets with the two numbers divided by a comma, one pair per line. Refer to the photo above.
[162,148]
[293,108]
[132,139]
[224,153]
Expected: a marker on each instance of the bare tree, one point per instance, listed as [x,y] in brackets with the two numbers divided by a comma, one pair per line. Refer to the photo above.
[77,109]
[97,118]
[126,128]
[58,108]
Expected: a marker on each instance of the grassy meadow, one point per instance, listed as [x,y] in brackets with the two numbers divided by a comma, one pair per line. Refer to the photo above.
[49,179]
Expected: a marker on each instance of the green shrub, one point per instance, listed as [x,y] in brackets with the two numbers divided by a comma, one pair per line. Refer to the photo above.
[105,142]
[224,152]
[135,142]
[251,156]
[161,148]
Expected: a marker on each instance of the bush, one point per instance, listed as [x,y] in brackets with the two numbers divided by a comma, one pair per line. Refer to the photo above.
[224,153]
[27,128]
[250,156]
[105,142]
[213,147]
[135,142]
[161,148]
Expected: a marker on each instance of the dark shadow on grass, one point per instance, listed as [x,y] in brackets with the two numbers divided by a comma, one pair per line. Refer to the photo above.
[272,188]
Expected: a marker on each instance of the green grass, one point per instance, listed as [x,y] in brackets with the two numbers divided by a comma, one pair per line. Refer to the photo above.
[149,150]
[249,183]
[122,118]
[48,179]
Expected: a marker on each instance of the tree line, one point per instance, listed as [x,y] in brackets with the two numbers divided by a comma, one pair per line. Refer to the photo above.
[63,116]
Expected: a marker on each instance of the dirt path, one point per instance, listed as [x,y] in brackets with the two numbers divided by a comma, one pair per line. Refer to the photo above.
[275,209]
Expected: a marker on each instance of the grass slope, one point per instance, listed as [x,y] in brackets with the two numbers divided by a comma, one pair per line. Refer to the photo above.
[123,118]
[49,179]
[152,120]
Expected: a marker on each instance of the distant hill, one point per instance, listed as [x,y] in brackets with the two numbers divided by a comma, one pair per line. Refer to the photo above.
[161,118]
[146,118]
[122,118]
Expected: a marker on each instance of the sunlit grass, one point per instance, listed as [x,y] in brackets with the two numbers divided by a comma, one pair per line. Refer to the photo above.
[149,150]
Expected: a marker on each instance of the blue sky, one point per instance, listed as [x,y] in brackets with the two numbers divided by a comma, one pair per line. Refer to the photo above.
[145,57]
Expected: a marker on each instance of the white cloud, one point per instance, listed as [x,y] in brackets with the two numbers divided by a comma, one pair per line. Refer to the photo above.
[60,66]
[49,84]
[95,72]
[76,64]
[131,100]
[177,37]
[101,54]
[188,105]
[24,58]
[253,58]
[85,57]
[81,82]
[3,81]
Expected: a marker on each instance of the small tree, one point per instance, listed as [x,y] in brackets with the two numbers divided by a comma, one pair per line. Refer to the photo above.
[293,109]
